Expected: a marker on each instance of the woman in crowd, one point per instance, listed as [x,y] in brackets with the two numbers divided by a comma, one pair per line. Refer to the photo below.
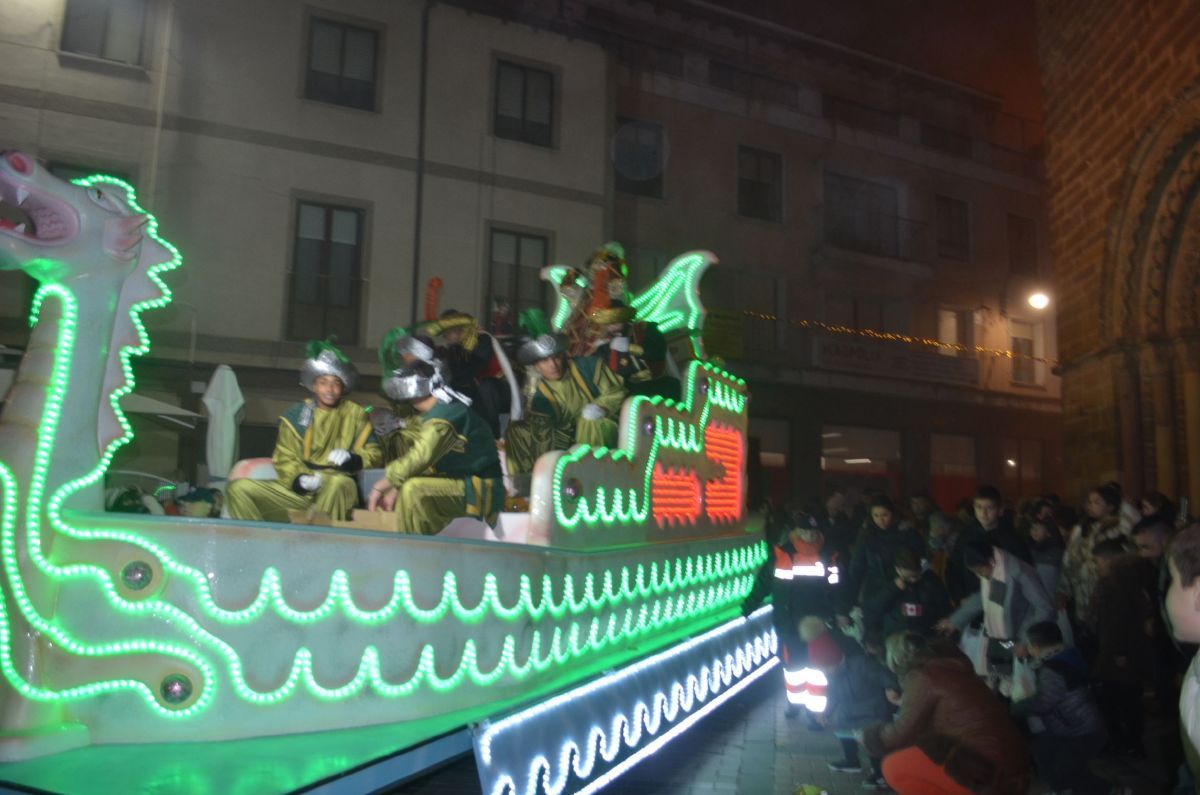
[951,735]
[873,564]
[1077,582]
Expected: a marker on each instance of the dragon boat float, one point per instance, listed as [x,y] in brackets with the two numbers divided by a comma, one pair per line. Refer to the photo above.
[167,654]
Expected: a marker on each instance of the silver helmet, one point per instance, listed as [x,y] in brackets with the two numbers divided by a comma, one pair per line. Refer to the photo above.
[328,361]
[415,347]
[537,348]
[409,384]
[420,381]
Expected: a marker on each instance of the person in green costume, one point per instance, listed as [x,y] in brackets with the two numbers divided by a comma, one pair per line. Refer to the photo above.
[322,442]
[449,467]
[574,400]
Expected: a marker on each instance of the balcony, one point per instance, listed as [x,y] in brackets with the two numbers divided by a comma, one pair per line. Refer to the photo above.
[874,239]
[780,347]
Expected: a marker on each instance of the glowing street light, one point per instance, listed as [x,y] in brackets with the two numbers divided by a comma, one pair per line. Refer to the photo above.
[1039,300]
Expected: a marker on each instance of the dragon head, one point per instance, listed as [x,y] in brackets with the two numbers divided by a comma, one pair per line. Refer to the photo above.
[54,229]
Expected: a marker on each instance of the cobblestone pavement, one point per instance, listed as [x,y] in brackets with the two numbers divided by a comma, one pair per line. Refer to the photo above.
[749,747]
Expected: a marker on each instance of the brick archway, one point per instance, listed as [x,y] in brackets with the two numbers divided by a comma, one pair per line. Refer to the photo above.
[1150,302]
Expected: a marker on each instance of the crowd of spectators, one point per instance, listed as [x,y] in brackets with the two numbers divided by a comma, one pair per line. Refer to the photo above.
[983,650]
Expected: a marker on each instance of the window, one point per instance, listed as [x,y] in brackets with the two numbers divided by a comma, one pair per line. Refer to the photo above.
[341,64]
[760,184]
[949,141]
[865,458]
[1022,246]
[108,29]
[326,269]
[1021,467]
[639,157]
[953,228]
[864,312]
[955,327]
[861,215]
[514,282]
[952,472]
[524,104]
[864,117]
[1024,368]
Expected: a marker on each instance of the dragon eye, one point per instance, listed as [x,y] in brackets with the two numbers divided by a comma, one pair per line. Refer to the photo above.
[106,200]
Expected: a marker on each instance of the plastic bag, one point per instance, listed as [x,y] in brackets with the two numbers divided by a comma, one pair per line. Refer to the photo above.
[974,645]
[1024,682]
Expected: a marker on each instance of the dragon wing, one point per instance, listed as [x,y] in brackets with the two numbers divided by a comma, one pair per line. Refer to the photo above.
[673,302]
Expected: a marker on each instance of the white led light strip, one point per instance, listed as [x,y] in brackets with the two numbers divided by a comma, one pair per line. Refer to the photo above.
[671,690]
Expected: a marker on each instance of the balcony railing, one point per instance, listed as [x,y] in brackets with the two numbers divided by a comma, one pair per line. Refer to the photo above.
[760,339]
[877,234]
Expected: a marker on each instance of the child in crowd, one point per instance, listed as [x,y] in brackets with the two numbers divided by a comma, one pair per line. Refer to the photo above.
[858,692]
[1183,608]
[1124,625]
[914,601]
[1074,732]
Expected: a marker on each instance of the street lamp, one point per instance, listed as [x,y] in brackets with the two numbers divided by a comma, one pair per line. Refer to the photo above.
[1039,300]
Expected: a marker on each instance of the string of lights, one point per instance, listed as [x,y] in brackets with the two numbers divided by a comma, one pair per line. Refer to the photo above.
[891,336]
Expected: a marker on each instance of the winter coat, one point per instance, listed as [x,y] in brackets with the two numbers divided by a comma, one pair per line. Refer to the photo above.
[915,609]
[1048,561]
[960,580]
[1064,698]
[873,567]
[1079,576]
[1125,610]
[950,714]
[856,692]
[1024,599]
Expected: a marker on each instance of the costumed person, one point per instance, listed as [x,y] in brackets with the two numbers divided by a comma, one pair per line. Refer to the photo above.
[322,442]
[636,351]
[802,579]
[450,467]
[573,400]
[401,348]
[478,366]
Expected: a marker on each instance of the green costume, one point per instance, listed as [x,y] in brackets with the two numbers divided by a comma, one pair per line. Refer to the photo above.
[307,434]
[449,469]
[555,421]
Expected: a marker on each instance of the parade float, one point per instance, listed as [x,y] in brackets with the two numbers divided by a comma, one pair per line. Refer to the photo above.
[151,653]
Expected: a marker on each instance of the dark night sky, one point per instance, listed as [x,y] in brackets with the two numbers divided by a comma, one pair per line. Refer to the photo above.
[990,45]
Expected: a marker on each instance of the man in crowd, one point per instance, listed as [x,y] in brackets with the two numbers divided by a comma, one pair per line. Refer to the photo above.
[322,442]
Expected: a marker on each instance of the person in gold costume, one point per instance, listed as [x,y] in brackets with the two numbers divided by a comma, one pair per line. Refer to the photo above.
[449,466]
[573,400]
[322,442]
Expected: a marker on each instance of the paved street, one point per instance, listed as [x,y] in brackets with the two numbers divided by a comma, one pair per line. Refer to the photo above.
[747,747]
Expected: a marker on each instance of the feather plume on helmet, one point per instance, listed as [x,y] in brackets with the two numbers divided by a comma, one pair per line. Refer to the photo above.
[324,358]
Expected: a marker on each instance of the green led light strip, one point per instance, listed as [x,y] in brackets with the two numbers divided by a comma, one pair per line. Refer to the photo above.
[654,305]
[627,506]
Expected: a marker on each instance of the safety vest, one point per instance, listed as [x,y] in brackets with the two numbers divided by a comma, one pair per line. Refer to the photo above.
[803,564]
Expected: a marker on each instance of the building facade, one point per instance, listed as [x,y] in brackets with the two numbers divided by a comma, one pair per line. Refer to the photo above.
[1122,93]
[857,207]
[879,229]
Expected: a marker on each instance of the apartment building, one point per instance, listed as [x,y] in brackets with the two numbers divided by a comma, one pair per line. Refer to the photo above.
[317,163]
[844,191]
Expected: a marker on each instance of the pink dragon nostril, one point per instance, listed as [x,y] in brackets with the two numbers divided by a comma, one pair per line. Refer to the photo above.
[20,163]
